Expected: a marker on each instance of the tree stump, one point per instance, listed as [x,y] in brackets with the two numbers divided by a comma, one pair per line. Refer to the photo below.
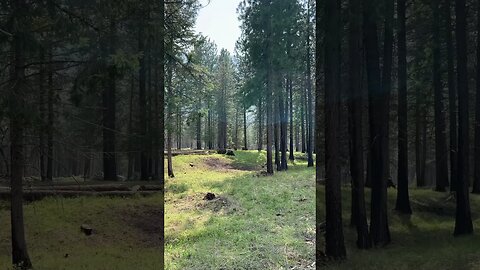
[87,230]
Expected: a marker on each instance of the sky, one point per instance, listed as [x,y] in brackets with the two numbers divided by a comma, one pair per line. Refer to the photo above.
[219,21]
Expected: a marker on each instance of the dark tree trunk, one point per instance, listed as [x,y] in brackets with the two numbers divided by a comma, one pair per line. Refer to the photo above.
[452,96]
[334,240]
[42,124]
[403,200]
[131,155]
[260,125]
[463,220]
[309,96]
[161,127]
[245,142]
[51,118]
[378,129]
[420,136]
[169,117]
[276,127]
[441,152]
[109,108]
[292,130]
[209,128]
[387,73]
[268,99]
[302,113]
[142,104]
[283,131]
[355,111]
[199,131]
[476,182]
[18,112]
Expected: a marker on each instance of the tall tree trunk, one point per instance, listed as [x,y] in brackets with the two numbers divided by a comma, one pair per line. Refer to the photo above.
[142,104]
[476,182]
[276,127]
[355,111]
[283,130]
[245,142]
[303,101]
[199,131]
[50,118]
[420,136]
[18,112]
[403,199]
[463,220]
[169,117]
[452,95]
[441,152]
[292,129]
[270,130]
[131,155]
[109,108]
[334,240]
[387,73]
[161,127]
[309,96]
[42,124]
[260,125]
[378,129]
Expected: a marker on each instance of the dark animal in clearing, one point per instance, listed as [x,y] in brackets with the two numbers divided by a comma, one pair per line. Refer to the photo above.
[210,196]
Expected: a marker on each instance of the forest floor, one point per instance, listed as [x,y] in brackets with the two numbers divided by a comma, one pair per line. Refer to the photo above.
[255,222]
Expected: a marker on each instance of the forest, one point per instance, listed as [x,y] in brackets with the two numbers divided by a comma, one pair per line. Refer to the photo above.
[337,134]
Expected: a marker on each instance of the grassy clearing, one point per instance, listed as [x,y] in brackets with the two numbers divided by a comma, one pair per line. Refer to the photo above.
[423,241]
[126,233]
[257,222]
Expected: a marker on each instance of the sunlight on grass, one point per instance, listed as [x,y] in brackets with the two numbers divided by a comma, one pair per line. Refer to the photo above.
[257,222]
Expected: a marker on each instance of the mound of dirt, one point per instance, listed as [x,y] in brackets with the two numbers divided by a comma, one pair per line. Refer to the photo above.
[218,204]
[145,219]
[218,164]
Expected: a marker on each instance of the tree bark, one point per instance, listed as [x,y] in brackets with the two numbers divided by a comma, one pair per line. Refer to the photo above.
[309,96]
[142,106]
[292,129]
[18,113]
[463,219]
[441,152]
[378,129]
[403,199]
[41,125]
[283,131]
[334,239]
[355,111]
[260,125]
[109,108]
[476,182]
[387,73]
[452,96]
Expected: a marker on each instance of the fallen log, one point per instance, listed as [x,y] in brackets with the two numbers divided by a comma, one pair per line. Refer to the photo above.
[93,188]
[34,195]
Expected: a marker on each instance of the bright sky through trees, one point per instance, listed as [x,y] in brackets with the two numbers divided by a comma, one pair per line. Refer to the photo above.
[219,21]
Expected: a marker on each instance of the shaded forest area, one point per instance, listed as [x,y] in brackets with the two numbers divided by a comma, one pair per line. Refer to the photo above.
[376,93]
[410,70]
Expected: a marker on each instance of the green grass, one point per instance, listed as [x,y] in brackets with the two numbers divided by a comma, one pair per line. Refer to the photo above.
[258,222]
[125,237]
[255,223]
[422,241]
